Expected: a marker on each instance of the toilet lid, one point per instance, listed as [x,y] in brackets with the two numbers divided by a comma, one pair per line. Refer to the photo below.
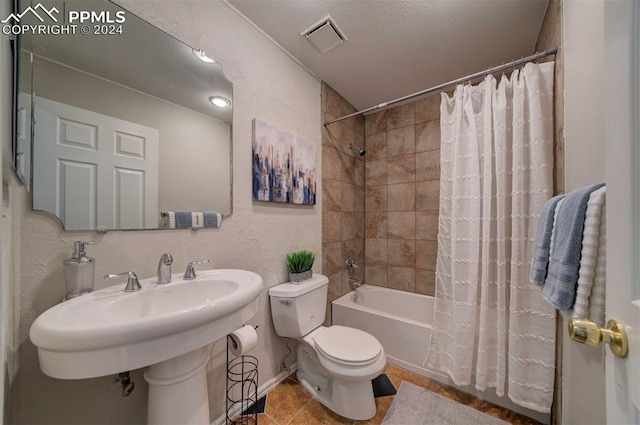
[347,345]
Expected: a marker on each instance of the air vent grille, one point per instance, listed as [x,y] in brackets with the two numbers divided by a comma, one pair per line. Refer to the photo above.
[325,35]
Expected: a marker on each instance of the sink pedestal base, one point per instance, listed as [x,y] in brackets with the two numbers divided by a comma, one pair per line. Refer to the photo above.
[178,390]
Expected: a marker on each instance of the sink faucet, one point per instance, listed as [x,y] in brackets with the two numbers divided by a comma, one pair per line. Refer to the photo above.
[190,273]
[164,268]
[132,282]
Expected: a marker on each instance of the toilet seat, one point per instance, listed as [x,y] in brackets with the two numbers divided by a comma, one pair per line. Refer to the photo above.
[347,346]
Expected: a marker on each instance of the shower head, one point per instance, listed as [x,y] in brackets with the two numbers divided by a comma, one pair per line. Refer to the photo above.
[361,152]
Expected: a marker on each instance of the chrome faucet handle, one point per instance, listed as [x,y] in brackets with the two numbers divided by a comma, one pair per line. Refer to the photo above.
[350,265]
[132,282]
[190,273]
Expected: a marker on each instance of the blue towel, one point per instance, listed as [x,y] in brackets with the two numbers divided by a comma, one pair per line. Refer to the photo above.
[543,241]
[562,278]
[210,219]
[183,220]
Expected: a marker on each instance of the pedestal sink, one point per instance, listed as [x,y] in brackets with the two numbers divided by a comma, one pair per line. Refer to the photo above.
[166,327]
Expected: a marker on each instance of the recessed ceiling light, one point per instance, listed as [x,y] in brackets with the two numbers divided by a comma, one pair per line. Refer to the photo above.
[219,101]
[202,56]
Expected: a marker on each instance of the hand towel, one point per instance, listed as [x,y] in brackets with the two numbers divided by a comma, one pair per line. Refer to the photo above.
[597,299]
[589,253]
[212,219]
[184,219]
[172,219]
[543,241]
[562,276]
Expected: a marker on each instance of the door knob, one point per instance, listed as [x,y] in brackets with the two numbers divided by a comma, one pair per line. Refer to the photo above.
[589,333]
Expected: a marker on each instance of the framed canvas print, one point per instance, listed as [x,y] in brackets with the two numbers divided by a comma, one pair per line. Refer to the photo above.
[284,166]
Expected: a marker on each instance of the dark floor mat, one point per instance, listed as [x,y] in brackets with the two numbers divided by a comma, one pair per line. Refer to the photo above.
[382,386]
[258,407]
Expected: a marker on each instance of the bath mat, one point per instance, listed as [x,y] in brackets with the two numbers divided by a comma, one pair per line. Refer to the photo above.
[258,407]
[415,405]
[382,386]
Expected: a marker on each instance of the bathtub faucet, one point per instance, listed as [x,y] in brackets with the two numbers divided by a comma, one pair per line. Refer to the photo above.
[351,266]
[354,284]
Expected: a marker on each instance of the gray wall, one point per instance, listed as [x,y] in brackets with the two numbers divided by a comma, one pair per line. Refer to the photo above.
[583,377]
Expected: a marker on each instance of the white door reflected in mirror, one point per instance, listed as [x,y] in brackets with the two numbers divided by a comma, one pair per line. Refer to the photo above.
[94,171]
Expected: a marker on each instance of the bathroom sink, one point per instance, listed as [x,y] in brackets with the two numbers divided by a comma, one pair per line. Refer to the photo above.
[110,331]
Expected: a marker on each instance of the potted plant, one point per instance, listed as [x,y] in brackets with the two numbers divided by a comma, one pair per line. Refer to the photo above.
[299,264]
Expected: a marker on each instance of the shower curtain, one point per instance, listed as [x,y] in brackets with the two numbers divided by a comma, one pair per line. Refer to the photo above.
[496,173]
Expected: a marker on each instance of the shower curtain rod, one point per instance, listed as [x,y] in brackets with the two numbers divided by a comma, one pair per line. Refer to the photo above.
[443,86]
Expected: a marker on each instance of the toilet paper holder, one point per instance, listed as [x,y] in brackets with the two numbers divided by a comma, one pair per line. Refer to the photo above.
[241,386]
[234,343]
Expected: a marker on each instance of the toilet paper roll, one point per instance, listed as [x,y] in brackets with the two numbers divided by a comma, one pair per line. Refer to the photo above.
[243,340]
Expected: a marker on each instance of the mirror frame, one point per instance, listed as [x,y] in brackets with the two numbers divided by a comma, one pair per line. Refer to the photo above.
[15,75]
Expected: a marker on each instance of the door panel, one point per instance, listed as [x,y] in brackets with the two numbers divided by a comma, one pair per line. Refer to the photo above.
[115,180]
[23,139]
[622,106]
[129,198]
[76,194]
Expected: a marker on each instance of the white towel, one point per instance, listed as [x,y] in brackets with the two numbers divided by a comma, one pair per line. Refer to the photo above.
[172,219]
[555,219]
[198,220]
[598,298]
[589,256]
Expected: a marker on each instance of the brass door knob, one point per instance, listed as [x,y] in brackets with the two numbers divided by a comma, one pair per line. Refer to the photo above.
[589,333]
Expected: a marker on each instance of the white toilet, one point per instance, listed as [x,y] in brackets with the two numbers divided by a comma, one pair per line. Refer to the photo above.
[335,364]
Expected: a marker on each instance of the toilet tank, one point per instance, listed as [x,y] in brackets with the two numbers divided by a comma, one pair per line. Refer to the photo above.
[299,308]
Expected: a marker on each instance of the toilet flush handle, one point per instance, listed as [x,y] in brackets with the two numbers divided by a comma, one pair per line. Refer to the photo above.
[285,302]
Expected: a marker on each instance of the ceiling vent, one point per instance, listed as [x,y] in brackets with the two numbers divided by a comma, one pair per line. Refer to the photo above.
[325,35]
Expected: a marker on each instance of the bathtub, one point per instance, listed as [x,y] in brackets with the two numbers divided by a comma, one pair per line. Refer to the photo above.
[401,321]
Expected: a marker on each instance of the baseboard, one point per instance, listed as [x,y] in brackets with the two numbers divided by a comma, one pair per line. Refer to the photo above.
[262,390]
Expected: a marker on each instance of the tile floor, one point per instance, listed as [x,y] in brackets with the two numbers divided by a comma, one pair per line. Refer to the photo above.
[289,404]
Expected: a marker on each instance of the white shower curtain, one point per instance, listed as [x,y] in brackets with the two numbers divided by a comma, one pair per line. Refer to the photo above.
[496,173]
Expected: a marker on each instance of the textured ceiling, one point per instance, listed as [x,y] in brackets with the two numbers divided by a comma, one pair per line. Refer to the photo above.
[143,58]
[397,47]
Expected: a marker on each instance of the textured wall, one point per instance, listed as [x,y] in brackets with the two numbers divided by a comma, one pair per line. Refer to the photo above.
[343,194]
[7,331]
[402,180]
[584,143]
[267,85]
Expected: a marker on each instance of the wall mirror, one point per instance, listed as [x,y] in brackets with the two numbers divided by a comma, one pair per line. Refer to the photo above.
[116,129]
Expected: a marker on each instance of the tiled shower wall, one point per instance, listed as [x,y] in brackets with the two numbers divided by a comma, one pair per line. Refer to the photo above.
[402,187]
[398,214]
[342,194]
[384,211]
[551,36]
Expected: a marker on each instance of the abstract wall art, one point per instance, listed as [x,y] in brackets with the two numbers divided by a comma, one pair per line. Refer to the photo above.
[284,166]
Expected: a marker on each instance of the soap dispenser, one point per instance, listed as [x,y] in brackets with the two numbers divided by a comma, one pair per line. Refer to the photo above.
[79,271]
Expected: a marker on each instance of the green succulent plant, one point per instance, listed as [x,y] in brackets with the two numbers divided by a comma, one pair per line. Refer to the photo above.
[300,261]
